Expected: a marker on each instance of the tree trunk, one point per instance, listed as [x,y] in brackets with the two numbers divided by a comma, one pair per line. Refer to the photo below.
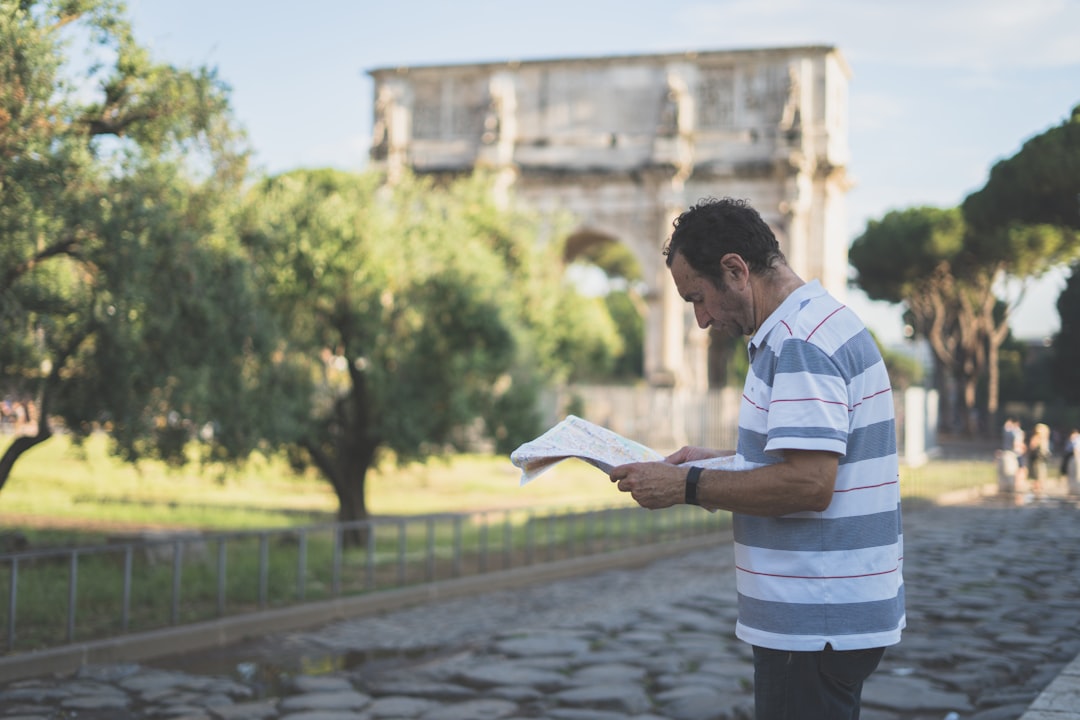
[18,446]
[345,467]
[995,337]
[353,464]
[993,381]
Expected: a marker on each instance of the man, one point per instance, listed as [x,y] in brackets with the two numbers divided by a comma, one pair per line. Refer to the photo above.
[817,527]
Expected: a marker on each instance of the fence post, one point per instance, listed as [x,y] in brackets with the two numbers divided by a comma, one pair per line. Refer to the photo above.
[550,536]
[571,529]
[264,569]
[508,541]
[335,581]
[483,541]
[457,545]
[430,573]
[301,565]
[177,560]
[222,570]
[589,521]
[369,562]
[530,536]
[13,596]
[73,584]
[125,607]
[403,543]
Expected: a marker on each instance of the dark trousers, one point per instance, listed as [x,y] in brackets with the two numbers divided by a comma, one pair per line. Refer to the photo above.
[822,685]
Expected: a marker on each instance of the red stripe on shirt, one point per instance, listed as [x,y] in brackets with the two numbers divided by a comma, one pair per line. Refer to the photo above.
[819,577]
[818,326]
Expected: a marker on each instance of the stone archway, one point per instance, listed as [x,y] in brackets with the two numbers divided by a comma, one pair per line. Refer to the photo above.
[601,264]
[625,143]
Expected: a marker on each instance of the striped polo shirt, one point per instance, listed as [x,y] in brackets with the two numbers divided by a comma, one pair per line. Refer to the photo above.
[817,382]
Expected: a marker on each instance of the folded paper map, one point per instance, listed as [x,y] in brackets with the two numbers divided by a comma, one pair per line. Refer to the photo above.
[596,445]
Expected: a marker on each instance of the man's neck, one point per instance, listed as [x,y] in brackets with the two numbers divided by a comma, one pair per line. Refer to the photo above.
[772,290]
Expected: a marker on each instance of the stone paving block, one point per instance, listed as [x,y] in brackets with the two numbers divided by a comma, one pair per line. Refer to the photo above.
[326,715]
[629,699]
[96,702]
[399,707]
[607,672]
[583,714]
[473,710]
[912,694]
[542,644]
[331,700]
[509,673]
[254,710]
[319,683]
[693,702]
[448,692]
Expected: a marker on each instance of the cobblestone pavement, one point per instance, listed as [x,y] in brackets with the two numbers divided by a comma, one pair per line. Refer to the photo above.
[993,617]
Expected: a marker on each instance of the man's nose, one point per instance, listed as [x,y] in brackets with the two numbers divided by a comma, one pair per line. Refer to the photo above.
[703,319]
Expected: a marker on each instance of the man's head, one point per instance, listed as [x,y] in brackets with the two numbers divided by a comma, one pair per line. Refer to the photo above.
[713,228]
[724,260]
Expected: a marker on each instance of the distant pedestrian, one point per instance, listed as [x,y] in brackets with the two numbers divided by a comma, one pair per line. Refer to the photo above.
[1038,455]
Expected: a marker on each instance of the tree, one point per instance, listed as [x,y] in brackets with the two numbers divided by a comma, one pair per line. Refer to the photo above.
[117,279]
[1020,225]
[909,256]
[422,317]
[1026,219]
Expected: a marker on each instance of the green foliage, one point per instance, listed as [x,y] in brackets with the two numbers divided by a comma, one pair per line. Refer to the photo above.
[896,256]
[588,340]
[122,299]
[413,311]
[618,325]
[615,259]
[904,369]
[623,307]
[328,314]
[1038,185]
[1066,350]
[1026,218]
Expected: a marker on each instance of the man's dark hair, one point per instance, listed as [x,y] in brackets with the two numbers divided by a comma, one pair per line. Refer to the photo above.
[713,228]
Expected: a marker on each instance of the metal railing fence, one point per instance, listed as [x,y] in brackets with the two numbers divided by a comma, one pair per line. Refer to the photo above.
[55,597]
[50,598]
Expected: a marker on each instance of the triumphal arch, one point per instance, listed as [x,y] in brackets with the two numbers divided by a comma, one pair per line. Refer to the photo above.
[625,143]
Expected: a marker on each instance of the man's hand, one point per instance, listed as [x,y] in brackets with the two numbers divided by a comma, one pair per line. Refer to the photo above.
[653,485]
[690,453]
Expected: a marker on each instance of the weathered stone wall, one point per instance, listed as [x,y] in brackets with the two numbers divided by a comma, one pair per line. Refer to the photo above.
[626,143]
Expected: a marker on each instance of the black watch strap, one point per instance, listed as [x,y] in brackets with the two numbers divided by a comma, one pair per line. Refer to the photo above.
[692,478]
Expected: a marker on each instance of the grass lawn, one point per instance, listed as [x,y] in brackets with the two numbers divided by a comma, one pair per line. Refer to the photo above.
[60,486]
[61,493]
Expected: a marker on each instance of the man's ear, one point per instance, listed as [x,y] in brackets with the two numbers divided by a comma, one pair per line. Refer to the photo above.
[735,268]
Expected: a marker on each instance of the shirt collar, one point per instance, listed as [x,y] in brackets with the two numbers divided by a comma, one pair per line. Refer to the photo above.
[798,296]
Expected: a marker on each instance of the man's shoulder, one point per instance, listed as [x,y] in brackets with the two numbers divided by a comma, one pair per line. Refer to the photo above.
[821,320]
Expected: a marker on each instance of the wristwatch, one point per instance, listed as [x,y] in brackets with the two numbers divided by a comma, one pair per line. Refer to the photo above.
[692,478]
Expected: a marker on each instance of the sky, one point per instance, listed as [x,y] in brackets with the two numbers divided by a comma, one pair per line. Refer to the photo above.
[940,89]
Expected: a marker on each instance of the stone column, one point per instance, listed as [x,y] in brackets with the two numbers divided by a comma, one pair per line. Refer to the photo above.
[392,129]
